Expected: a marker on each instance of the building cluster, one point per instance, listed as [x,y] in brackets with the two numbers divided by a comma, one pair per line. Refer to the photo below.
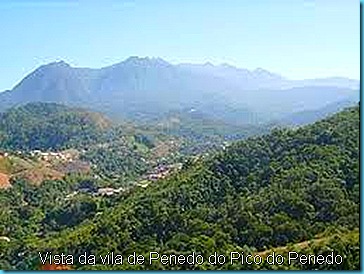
[49,156]
[106,191]
[162,171]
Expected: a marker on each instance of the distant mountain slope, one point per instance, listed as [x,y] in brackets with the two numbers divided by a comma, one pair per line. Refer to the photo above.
[310,116]
[193,123]
[203,132]
[285,187]
[144,88]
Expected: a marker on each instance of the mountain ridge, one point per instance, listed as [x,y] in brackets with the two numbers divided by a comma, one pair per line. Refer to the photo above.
[145,88]
[157,60]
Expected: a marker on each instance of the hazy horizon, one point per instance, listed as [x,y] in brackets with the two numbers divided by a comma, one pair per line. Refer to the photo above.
[300,39]
[174,64]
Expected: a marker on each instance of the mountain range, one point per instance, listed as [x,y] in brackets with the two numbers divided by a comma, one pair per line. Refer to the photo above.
[146,88]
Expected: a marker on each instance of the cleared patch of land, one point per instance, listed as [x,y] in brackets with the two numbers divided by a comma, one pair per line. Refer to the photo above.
[4,181]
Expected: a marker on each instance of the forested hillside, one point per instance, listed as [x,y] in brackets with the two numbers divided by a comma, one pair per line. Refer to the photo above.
[276,190]
[49,126]
[39,136]
[115,149]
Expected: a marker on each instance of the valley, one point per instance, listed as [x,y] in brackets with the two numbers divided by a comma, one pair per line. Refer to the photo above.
[94,181]
[180,135]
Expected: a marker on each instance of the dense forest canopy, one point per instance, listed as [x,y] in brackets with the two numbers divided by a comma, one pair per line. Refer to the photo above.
[42,126]
[267,192]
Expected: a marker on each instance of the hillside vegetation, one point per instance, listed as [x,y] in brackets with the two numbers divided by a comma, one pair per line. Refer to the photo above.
[271,191]
[32,132]
[49,126]
[118,150]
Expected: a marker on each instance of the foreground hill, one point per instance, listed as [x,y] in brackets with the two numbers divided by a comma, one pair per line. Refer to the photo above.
[286,187]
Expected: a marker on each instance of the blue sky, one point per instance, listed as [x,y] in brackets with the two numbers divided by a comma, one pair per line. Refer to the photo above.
[296,38]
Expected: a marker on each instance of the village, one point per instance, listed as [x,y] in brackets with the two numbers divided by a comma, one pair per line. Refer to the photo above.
[49,158]
[158,173]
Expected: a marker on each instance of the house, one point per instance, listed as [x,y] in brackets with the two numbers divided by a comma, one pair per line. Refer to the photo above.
[71,195]
[35,153]
[4,154]
[4,238]
[108,191]
[143,185]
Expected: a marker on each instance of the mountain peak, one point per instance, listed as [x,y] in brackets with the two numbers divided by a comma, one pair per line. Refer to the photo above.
[135,60]
[260,72]
[60,63]
[227,66]
[208,64]
[55,65]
